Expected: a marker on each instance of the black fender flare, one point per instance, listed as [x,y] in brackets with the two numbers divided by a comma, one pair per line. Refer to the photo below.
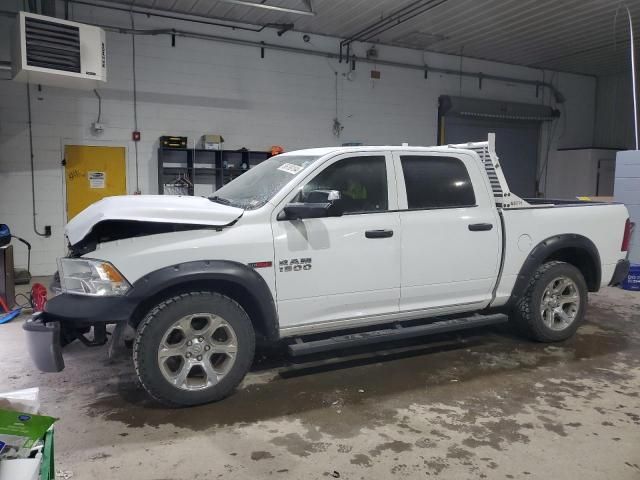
[545,249]
[173,277]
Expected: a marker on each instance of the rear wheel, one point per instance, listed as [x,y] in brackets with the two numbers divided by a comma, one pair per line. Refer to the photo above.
[553,306]
[193,348]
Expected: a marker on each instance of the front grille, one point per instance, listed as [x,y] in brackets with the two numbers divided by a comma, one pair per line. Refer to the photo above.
[52,45]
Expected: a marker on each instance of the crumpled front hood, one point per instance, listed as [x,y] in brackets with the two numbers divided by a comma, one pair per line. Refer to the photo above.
[151,208]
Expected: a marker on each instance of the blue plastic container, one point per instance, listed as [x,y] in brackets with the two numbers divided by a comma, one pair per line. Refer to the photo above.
[632,282]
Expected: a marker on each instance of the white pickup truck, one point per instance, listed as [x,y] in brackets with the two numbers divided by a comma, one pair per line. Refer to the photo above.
[324,248]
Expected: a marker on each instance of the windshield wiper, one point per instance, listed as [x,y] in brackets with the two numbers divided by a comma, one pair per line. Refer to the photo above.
[221,200]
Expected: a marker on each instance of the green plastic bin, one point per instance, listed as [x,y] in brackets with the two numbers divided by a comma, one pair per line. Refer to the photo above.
[47,468]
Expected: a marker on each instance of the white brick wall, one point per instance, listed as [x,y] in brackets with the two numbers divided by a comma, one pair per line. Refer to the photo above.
[201,87]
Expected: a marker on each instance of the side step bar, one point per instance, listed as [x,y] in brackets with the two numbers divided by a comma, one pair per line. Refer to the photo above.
[398,332]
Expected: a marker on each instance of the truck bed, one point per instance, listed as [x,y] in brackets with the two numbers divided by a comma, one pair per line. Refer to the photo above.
[525,227]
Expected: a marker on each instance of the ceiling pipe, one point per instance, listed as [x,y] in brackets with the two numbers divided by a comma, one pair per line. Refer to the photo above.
[559,97]
[181,17]
[309,4]
[393,20]
[389,27]
[383,28]
[393,17]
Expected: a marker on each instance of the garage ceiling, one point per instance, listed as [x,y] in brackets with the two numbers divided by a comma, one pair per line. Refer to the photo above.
[566,35]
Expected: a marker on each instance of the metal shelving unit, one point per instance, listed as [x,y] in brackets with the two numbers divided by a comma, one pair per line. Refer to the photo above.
[193,171]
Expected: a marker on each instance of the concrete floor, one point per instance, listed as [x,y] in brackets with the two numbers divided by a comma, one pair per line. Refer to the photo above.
[484,404]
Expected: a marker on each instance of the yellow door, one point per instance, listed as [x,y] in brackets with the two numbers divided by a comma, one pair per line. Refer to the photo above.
[93,173]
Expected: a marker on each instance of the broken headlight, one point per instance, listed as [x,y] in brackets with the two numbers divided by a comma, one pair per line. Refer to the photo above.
[84,276]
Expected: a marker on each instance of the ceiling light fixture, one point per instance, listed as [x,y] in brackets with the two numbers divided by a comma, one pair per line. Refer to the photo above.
[266,6]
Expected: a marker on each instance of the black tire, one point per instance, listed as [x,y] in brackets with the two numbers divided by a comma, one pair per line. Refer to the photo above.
[161,318]
[527,315]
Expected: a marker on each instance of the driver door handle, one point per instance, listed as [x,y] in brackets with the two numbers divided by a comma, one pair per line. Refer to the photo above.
[480,227]
[378,233]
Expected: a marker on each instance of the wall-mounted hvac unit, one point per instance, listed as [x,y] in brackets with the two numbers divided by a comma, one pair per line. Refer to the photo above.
[50,51]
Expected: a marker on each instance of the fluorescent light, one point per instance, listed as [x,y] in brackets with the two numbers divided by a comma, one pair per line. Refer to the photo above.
[246,3]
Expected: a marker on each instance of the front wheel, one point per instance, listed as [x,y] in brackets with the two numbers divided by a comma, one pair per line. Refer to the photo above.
[552,308]
[193,348]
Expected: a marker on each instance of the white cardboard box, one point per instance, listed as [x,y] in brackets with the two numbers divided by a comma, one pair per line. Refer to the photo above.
[20,469]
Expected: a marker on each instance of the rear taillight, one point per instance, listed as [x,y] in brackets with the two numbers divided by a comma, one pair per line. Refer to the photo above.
[626,238]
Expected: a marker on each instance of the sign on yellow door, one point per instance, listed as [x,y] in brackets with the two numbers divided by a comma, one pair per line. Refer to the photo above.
[93,173]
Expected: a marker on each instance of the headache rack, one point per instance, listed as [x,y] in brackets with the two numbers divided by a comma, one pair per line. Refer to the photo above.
[487,153]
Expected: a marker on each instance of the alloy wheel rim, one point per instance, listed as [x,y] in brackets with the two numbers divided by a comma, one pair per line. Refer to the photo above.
[560,303]
[197,351]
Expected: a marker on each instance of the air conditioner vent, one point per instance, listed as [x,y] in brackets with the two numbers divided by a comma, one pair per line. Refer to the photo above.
[52,45]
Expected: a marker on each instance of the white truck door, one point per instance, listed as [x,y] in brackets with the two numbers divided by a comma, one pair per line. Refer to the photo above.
[347,267]
[451,233]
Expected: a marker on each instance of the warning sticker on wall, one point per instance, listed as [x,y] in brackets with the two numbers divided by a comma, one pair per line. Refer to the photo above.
[97,179]
[290,168]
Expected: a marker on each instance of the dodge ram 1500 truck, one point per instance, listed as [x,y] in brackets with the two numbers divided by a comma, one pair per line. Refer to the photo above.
[324,248]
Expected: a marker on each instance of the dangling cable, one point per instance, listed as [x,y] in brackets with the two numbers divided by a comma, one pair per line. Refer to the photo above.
[135,98]
[99,105]
[633,64]
[33,174]
[337,126]
[633,78]
[460,70]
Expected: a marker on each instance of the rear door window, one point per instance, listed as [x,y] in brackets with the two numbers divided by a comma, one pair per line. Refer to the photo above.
[436,182]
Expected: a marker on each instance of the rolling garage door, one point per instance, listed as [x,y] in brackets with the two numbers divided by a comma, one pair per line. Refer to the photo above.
[517,129]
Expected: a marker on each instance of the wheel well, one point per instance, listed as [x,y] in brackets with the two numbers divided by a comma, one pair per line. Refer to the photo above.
[230,289]
[583,261]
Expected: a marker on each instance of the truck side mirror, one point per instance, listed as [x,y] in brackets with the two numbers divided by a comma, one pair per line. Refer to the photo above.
[333,195]
[318,204]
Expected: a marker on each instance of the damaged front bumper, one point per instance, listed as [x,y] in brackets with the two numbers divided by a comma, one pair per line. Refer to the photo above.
[43,343]
[67,318]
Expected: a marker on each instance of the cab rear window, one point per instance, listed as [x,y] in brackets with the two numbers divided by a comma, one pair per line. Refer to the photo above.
[436,182]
